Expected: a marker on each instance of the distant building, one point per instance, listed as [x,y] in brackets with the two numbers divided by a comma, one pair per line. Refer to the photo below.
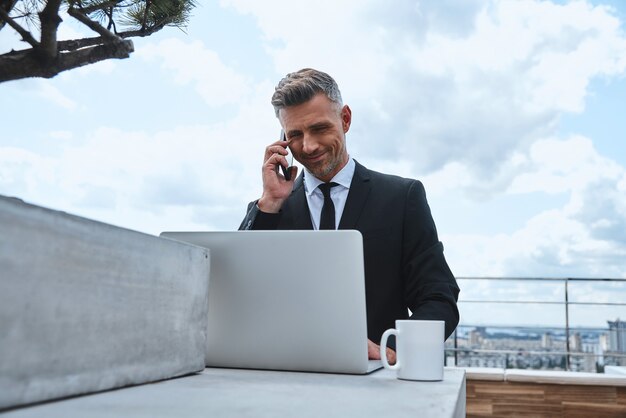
[575,342]
[546,340]
[604,342]
[475,338]
[617,336]
[482,331]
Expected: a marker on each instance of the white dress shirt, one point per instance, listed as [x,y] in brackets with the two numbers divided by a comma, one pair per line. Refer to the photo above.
[339,193]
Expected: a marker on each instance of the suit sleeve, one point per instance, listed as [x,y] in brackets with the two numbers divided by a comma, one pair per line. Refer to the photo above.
[259,220]
[431,290]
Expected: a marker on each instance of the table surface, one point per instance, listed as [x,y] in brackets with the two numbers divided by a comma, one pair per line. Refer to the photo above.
[258,393]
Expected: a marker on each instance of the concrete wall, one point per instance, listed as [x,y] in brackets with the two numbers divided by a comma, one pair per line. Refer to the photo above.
[86,306]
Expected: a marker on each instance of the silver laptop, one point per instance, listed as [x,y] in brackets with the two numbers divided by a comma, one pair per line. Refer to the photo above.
[286,300]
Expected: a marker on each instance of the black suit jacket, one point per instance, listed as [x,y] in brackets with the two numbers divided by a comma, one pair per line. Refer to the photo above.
[404,262]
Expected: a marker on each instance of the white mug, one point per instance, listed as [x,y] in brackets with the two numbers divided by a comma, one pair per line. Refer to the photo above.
[419,349]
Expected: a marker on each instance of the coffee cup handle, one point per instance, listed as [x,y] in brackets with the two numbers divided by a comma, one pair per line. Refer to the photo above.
[383,349]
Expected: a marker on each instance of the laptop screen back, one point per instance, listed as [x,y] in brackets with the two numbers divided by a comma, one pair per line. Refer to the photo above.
[285,300]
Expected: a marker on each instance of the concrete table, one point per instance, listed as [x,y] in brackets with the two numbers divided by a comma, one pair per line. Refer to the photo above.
[256,393]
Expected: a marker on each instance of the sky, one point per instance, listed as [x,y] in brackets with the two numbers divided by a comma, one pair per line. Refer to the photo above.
[509,112]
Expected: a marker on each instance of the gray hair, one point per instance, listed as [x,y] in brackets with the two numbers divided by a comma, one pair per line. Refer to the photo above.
[300,87]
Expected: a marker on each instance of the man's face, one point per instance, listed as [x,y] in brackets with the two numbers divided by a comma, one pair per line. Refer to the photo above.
[316,131]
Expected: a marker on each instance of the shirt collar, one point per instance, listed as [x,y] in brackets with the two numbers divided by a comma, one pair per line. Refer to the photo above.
[343,178]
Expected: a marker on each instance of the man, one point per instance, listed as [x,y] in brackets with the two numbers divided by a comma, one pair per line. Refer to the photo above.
[404,263]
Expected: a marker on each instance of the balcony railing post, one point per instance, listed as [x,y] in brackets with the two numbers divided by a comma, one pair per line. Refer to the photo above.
[567,357]
[456,349]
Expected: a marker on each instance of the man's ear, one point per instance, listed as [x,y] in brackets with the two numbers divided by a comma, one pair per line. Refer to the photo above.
[346,118]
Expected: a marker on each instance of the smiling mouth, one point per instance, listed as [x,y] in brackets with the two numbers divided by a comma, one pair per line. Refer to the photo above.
[315,158]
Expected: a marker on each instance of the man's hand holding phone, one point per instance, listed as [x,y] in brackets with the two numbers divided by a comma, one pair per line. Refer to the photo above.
[286,170]
[277,185]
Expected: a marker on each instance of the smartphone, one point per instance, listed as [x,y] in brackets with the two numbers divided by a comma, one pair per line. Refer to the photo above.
[286,171]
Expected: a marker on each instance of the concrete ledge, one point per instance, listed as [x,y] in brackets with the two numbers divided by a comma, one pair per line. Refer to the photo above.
[611,377]
[564,378]
[86,306]
[484,373]
[615,370]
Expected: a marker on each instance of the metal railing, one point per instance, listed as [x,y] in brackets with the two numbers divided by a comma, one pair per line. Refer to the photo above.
[560,299]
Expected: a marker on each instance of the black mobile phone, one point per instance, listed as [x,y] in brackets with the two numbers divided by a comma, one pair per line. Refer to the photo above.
[286,171]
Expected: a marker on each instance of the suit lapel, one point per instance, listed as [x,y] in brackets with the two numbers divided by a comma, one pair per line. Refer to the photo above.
[359,191]
[299,207]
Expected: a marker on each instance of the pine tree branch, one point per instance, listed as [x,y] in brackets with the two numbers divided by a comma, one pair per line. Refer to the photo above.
[71,45]
[26,36]
[50,20]
[23,64]
[48,57]
[142,32]
[94,26]
[145,15]
[74,44]
[6,6]
[100,6]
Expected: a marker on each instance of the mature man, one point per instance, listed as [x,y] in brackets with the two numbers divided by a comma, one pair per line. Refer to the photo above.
[404,263]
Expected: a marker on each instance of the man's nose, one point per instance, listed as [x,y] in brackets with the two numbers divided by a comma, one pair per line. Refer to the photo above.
[309,144]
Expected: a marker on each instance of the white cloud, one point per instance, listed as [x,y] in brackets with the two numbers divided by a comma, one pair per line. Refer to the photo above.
[564,165]
[52,94]
[192,63]
[36,92]
[22,170]
[138,179]
[585,237]
[186,177]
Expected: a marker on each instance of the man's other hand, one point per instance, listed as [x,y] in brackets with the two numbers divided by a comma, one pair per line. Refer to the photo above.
[373,352]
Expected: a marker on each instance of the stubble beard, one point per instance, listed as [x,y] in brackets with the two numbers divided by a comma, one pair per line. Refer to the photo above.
[325,168]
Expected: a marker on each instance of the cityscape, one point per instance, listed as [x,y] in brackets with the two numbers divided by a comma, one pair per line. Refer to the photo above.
[586,350]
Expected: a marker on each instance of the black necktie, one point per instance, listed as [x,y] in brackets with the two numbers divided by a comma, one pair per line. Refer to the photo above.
[327,220]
